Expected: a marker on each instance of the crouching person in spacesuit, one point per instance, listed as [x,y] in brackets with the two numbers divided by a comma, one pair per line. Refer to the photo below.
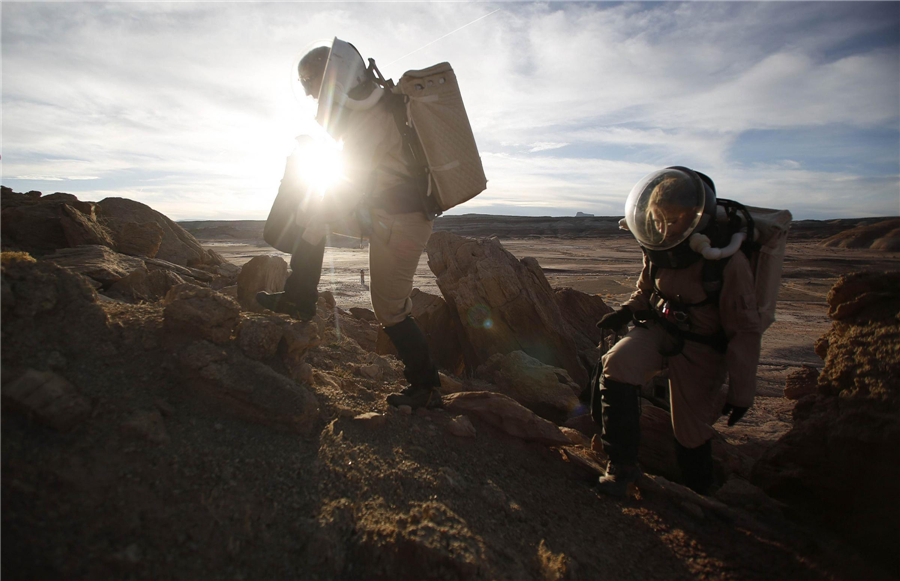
[700,315]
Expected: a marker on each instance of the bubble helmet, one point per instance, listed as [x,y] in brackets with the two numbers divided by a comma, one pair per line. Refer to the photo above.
[665,208]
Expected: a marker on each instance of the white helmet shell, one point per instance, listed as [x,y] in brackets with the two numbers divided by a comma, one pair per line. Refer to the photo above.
[344,71]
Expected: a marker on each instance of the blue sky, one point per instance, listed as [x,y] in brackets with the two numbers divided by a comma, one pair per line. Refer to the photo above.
[188,106]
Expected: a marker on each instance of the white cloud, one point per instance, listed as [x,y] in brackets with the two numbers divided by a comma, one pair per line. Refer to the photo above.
[189,104]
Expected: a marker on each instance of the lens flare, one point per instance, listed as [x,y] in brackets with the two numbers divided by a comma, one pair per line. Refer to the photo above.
[479,317]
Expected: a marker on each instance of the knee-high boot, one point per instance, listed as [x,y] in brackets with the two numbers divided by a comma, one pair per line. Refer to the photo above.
[696,466]
[621,435]
[419,368]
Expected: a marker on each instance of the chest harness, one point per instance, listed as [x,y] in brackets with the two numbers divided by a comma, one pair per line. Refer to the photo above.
[674,314]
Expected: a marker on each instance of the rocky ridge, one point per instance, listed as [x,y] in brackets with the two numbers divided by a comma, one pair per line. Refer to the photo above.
[157,426]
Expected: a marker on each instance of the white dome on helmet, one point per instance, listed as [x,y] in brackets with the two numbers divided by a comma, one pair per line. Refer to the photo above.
[667,206]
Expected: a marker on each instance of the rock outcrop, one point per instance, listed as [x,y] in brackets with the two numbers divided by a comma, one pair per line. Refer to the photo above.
[841,460]
[547,391]
[201,312]
[261,273]
[176,246]
[582,311]
[248,388]
[501,304]
[506,414]
[801,382]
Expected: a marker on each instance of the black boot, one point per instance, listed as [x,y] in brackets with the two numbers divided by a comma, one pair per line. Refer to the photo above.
[696,466]
[420,370]
[279,303]
[621,412]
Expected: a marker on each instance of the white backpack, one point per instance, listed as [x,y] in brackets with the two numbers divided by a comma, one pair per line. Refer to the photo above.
[437,135]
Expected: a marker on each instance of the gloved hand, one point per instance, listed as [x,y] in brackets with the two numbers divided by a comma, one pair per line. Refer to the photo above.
[615,320]
[736,413]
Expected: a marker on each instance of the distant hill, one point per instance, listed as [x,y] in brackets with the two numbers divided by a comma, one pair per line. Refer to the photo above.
[882,235]
[481,225]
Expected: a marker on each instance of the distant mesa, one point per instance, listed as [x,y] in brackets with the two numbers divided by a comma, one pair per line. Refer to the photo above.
[583,215]
[883,235]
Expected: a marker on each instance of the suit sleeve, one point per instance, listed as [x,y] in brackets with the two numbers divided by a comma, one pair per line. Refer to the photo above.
[640,298]
[741,323]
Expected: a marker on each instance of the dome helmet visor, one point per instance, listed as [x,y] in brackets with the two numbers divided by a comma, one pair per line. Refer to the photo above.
[667,206]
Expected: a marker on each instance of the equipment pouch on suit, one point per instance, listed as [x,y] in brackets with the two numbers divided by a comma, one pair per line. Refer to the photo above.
[282,230]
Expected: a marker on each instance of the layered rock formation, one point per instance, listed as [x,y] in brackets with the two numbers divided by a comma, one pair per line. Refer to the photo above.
[841,460]
[501,304]
[883,235]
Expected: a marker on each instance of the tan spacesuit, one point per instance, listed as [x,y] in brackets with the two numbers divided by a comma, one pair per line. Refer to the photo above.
[699,316]
[381,197]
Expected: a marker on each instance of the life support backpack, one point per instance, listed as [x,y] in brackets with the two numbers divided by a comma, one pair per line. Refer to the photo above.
[765,250]
[437,137]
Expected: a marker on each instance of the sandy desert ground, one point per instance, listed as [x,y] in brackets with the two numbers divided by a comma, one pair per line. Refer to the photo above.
[608,262]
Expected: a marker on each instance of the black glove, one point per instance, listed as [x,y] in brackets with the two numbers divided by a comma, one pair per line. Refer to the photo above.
[736,413]
[616,319]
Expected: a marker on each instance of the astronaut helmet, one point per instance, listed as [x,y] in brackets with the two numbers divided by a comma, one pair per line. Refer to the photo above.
[335,75]
[667,206]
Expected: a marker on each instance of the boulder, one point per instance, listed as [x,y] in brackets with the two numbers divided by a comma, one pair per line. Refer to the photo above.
[365,333]
[801,382]
[262,273]
[840,462]
[545,390]
[97,262]
[506,414]
[41,225]
[582,311]
[258,336]
[48,308]
[247,388]
[501,304]
[299,337]
[200,312]
[140,239]
[48,398]
[82,228]
[133,287]
[186,272]
[461,427]
[177,245]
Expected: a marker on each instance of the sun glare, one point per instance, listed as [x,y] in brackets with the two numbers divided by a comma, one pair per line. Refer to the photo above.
[320,164]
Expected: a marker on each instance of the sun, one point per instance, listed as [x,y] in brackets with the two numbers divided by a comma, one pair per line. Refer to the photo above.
[320,164]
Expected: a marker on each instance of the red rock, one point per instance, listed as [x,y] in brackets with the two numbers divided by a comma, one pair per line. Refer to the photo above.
[177,246]
[140,239]
[201,312]
[801,382]
[506,414]
[262,273]
[258,336]
[545,390]
[461,427]
[501,304]
[97,262]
